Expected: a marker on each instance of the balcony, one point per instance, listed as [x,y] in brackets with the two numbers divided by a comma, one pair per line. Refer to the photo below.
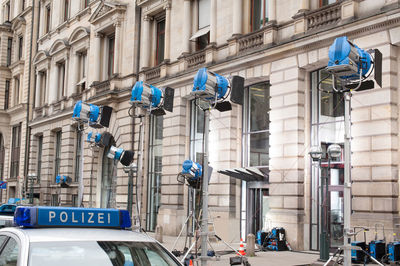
[101,86]
[323,17]
[251,41]
[153,73]
[196,59]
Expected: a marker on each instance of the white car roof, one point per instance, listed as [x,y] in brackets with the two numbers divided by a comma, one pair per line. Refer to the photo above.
[78,234]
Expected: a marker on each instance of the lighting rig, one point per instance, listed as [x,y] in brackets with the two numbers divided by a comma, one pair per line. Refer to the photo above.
[145,99]
[351,68]
[213,90]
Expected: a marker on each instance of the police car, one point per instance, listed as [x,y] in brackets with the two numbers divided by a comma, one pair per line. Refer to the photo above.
[60,236]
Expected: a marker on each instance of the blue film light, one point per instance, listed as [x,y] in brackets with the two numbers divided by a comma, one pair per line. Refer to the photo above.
[207,84]
[146,95]
[84,112]
[192,169]
[93,138]
[71,217]
[347,60]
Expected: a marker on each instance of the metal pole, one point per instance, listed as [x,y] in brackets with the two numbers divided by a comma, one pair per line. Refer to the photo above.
[204,222]
[323,249]
[347,179]
[80,180]
[31,190]
[91,179]
[139,175]
[130,191]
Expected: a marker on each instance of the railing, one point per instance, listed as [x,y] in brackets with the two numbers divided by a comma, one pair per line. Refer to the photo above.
[57,106]
[153,73]
[39,111]
[196,59]
[102,86]
[251,41]
[326,16]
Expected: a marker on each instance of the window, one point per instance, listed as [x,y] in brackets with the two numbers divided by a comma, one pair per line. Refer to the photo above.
[43,77]
[48,17]
[54,200]
[75,200]
[8,11]
[204,8]
[82,71]
[78,156]
[7,94]
[57,159]
[2,153]
[196,133]
[106,177]
[16,90]
[39,158]
[326,2]
[110,61]
[86,3]
[15,150]
[9,47]
[9,254]
[22,5]
[66,10]
[155,171]
[61,79]
[160,41]
[20,47]
[259,14]
[327,127]
[256,126]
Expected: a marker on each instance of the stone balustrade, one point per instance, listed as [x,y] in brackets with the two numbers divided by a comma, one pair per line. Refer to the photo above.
[196,59]
[153,73]
[325,16]
[251,41]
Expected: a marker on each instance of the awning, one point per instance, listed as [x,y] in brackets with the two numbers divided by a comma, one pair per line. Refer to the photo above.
[248,174]
[200,33]
[81,81]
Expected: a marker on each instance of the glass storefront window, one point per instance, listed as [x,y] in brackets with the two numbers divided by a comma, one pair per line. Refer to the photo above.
[155,171]
[327,127]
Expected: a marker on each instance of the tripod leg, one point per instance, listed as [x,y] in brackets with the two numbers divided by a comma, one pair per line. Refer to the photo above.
[180,233]
[372,258]
[333,256]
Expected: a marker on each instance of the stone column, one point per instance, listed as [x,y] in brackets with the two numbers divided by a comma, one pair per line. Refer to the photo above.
[97,56]
[213,22]
[187,25]
[168,32]
[272,11]
[237,17]
[117,46]
[41,22]
[53,84]
[46,90]
[38,92]
[146,42]
[66,75]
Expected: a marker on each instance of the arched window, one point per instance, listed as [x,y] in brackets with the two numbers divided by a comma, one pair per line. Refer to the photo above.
[106,177]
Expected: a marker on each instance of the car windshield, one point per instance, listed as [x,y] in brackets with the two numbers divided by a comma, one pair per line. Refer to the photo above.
[100,253]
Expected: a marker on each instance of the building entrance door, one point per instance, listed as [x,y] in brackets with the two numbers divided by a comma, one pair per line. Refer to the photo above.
[257,210]
[335,203]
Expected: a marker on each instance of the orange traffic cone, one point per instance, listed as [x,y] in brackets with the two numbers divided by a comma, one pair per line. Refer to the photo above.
[241,248]
[190,263]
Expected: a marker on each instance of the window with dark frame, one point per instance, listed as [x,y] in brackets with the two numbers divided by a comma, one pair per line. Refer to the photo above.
[43,76]
[160,41]
[75,200]
[57,157]
[61,78]
[78,155]
[86,3]
[326,2]
[82,71]
[15,150]
[110,61]
[258,14]
[9,47]
[39,158]
[7,95]
[66,10]
[8,10]
[20,47]
[203,7]
[48,15]
[54,200]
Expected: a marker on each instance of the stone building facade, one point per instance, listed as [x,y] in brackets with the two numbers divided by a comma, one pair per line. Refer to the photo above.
[263,177]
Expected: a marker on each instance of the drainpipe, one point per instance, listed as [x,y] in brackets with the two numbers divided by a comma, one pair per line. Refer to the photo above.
[28,129]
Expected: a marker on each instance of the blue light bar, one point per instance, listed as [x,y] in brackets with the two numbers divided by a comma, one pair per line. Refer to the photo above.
[71,217]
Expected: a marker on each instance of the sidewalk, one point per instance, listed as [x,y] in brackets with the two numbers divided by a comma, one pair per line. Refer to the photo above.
[277,258]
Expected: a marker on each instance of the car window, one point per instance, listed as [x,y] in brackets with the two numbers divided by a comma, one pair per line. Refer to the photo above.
[2,240]
[101,253]
[9,254]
